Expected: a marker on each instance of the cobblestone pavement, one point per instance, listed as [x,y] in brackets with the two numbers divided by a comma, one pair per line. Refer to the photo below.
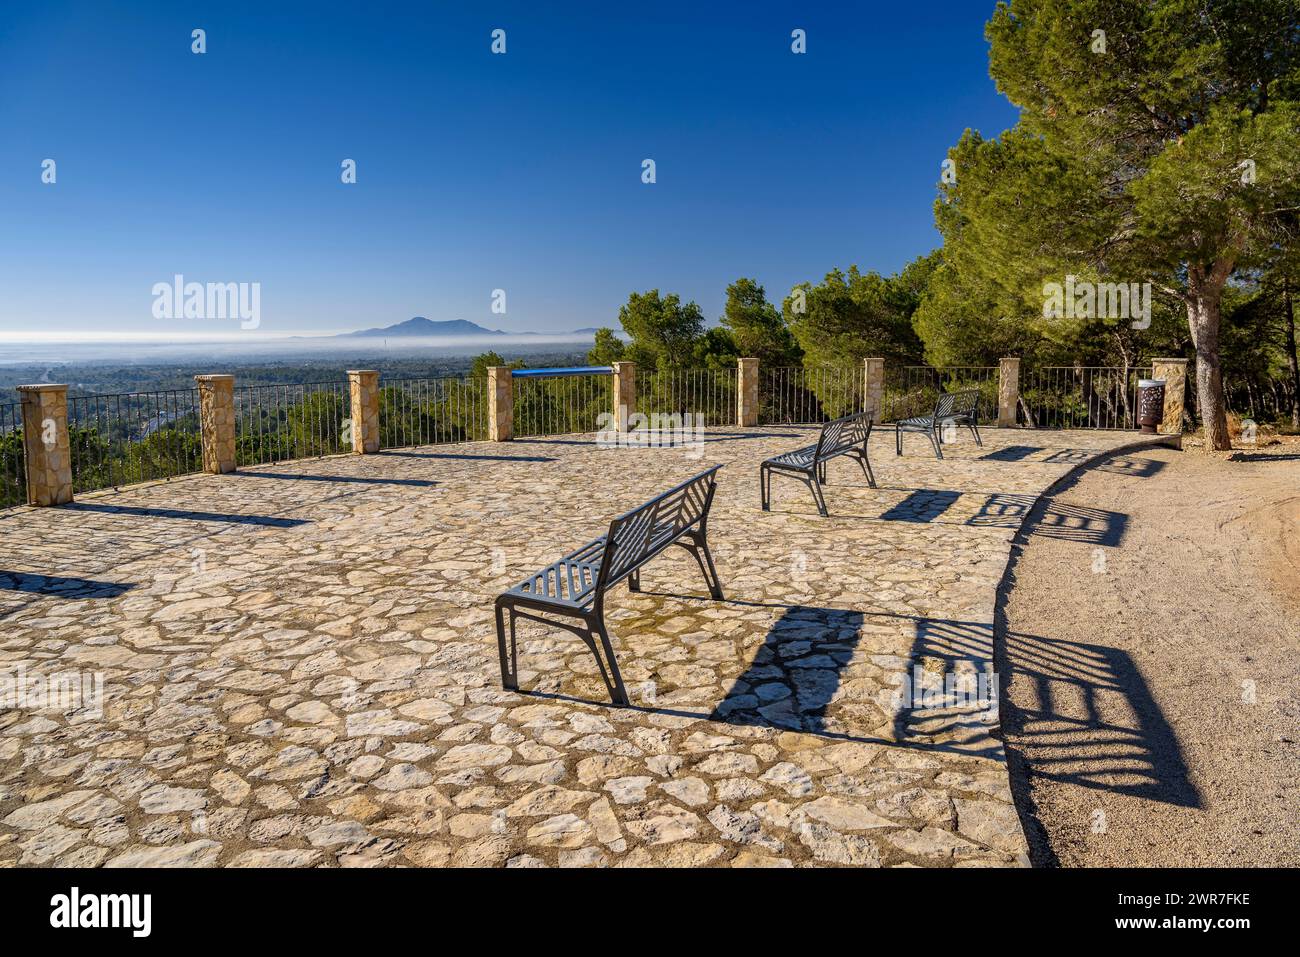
[299,663]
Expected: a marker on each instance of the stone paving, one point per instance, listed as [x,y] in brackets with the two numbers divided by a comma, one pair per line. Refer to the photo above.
[299,663]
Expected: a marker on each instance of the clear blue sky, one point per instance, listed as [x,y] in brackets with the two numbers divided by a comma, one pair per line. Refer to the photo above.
[475,171]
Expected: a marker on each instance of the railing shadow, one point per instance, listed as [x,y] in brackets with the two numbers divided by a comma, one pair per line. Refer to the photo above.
[61,586]
[466,457]
[350,479]
[187,514]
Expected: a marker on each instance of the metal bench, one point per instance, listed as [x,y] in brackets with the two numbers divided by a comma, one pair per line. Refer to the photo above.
[846,436]
[957,408]
[574,587]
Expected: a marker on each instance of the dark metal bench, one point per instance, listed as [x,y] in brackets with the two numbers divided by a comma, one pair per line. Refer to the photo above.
[846,436]
[957,408]
[574,587]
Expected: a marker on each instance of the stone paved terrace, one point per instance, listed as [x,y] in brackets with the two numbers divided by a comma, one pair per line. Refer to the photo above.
[300,667]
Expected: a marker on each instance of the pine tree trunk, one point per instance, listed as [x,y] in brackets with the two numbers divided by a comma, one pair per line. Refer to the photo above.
[1203,318]
[1288,317]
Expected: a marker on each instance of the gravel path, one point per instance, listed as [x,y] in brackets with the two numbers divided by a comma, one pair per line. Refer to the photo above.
[1149,631]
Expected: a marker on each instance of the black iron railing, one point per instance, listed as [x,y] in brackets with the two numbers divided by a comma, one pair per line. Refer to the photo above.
[432,411]
[276,423]
[132,437]
[13,470]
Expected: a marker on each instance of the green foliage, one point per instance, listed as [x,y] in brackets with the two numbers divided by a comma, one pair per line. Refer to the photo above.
[757,328]
[1156,142]
[607,349]
[848,317]
[663,330]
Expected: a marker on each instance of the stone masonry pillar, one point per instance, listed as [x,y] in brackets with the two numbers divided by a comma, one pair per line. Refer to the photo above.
[217,422]
[624,393]
[747,393]
[1174,372]
[1008,391]
[501,404]
[873,388]
[363,386]
[45,444]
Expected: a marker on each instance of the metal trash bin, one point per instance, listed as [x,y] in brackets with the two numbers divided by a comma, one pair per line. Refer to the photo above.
[1151,405]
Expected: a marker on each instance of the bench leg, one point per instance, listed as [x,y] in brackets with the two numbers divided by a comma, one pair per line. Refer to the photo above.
[698,545]
[509,662]
[613,678]
[817,495]
[937,441]
[765,488]
[865,462]
[975,429]
[898,440]
[634,581]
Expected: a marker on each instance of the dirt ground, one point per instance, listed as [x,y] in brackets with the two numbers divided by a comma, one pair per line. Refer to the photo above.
[1150,625]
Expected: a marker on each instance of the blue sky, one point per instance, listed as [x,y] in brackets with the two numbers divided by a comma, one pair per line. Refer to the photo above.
[475,171]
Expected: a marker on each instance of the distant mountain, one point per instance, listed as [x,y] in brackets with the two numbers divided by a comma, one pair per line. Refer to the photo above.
[586,330]
[420,326]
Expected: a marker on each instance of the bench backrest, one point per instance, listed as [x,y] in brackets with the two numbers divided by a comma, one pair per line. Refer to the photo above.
[842,434]
[639,535]
[957,403]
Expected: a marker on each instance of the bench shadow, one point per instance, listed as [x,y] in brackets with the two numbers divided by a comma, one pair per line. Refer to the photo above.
[1094,526]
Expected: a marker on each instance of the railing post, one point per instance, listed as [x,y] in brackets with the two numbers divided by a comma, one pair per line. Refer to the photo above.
[45,444]
[501,404]
[217,422]
[363,388]
[1174,372]
[1008,391]
[873,388]
[747,393]
[624,393]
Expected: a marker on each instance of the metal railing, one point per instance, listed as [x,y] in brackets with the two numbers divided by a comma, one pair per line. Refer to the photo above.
[131,437]
[709,395]
[913,390]
[13,467]
[432,411]
[561,401]
[1081,397]
[798,395]
[276,423]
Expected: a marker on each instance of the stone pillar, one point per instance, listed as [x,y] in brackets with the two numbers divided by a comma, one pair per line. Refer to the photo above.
[217,422]
[624,392]
[45,444]
[1008,391]
[873,388]
[501,404]
[747,393]
[363,384]
[1174,372]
